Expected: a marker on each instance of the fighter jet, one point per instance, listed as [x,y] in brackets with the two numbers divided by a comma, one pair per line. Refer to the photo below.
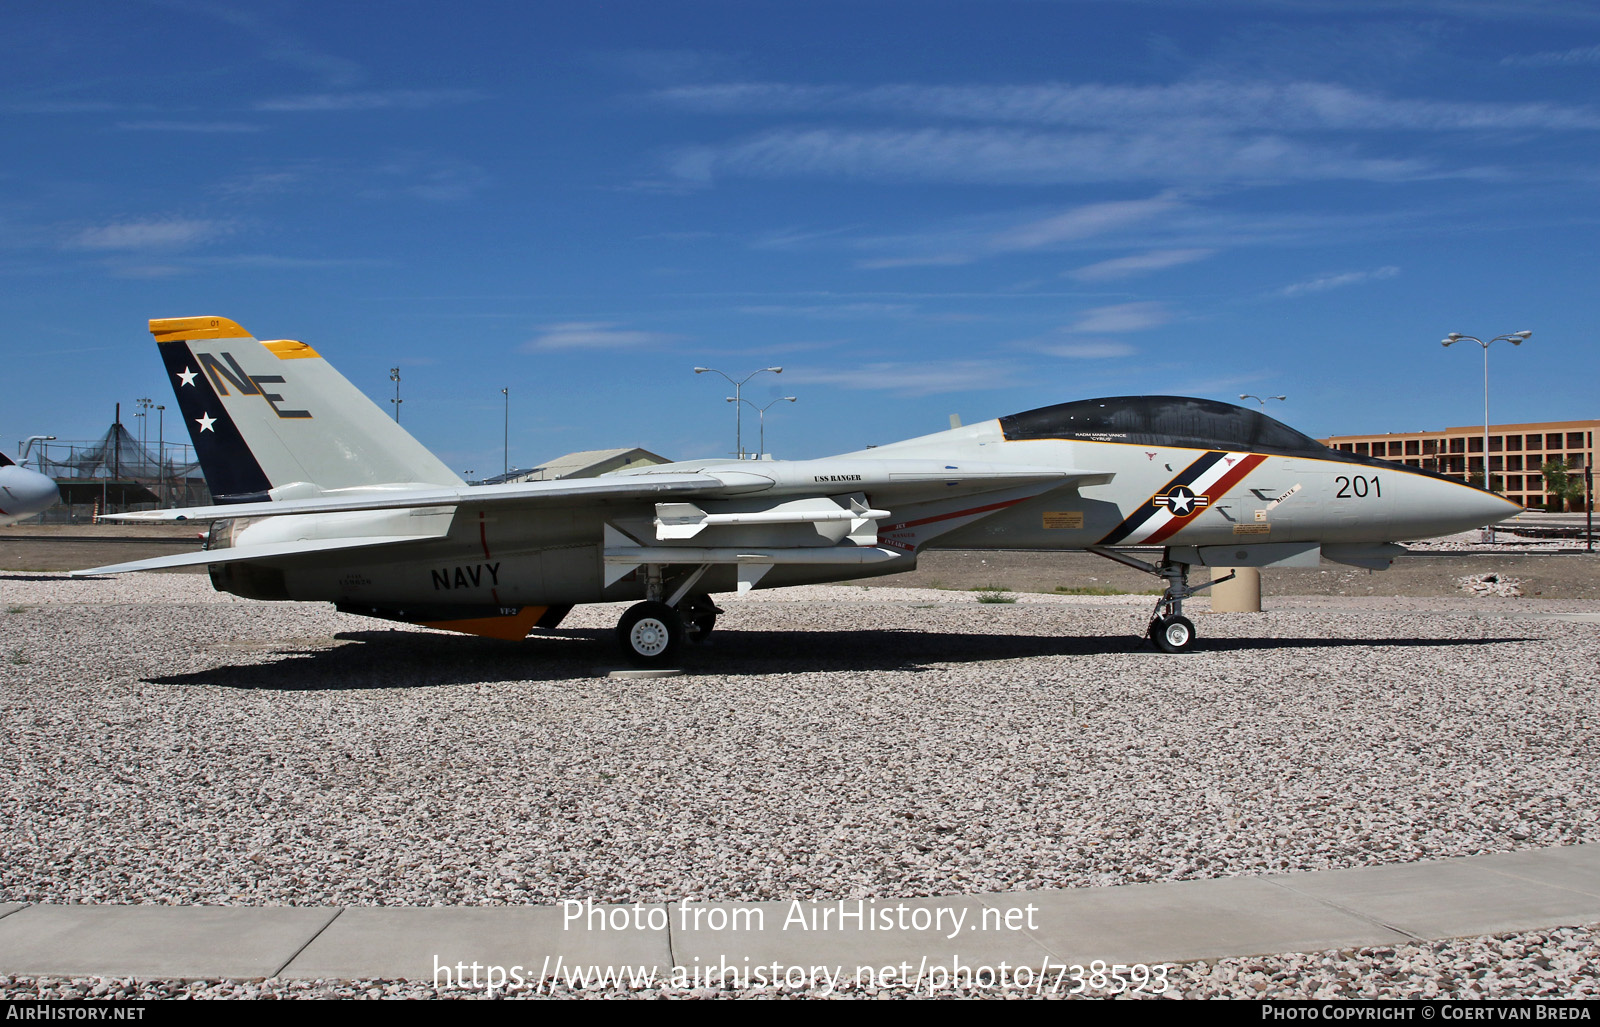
[322,497]
[24,493]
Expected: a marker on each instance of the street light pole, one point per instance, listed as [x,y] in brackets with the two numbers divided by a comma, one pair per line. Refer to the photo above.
[506,458]
[161,452]
[1516,339]
[738,422]
[145,403]
[394,376]
[763,412]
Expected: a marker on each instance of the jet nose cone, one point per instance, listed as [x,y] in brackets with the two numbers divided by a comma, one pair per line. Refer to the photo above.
[1428,505]
[1468,507]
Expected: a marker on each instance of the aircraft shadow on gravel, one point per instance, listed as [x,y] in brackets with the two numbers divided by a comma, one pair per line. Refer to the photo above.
[403,659]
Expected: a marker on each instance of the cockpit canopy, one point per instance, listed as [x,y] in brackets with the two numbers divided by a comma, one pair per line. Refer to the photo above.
[1162,421]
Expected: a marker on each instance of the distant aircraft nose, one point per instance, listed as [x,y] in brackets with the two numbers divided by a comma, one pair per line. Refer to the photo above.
[43,492]
[29,492]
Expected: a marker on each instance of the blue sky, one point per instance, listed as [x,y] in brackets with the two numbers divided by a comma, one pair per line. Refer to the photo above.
[917,209]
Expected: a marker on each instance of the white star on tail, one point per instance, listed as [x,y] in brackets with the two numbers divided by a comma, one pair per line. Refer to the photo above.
[205,421]
[186,376]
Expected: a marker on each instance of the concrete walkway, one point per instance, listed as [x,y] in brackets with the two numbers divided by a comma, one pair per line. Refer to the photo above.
[1152,923]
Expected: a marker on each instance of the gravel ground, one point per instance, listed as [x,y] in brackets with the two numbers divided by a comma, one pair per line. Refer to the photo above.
[168,744]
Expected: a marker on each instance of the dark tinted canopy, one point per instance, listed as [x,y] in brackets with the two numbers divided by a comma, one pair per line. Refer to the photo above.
[1162,421]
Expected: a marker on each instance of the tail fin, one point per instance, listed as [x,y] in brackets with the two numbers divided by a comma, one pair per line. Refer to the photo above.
[265,415]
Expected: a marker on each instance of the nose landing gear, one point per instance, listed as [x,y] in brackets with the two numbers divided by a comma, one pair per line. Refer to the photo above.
[1169,630]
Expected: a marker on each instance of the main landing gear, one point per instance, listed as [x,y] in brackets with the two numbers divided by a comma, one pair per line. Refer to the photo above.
[1169,630]
[652,633]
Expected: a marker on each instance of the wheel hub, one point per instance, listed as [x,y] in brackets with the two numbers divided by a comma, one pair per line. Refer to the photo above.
[649,636]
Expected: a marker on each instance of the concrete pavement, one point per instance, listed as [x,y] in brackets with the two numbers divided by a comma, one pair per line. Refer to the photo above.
[1151,923]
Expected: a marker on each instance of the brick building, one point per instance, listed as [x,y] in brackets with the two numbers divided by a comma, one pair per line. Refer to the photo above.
[1517,453]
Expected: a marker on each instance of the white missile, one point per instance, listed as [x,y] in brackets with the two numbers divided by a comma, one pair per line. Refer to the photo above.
[686,520]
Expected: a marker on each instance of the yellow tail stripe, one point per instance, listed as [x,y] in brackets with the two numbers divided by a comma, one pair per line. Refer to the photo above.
[289,349]
[181,329]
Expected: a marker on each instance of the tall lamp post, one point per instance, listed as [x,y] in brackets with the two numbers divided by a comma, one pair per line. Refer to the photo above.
[394,376]
[506,440]
[1516,339]
[1260,399]
[161,452]
[763,412]
[738,417]
[145,403]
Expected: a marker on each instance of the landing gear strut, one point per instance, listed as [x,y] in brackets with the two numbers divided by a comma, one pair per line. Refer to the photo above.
[1169,630]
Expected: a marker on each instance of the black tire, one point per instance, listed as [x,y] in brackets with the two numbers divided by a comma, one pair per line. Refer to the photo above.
[698,627]
[650,634]
[1173,634]
[699,618]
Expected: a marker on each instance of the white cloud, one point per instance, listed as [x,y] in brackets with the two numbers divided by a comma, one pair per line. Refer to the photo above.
[1192,107]
[156,234]
[1322,283]
[275,43]
[426,178]
[1122,317]
[1127,267]
[141,271]
[974,239]
[922,260]
[1556,58]
[223,127]
[834,311]
[1088,350]
[1083,222]
[401,99]
[592,335]
[439,179]
[256,184]
[662,66]
[915,379]
[1012,156]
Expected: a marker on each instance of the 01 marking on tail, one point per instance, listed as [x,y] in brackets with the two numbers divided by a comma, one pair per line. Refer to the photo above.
[323,497]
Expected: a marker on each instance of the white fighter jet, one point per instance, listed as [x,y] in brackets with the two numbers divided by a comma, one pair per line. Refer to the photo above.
[321,496]
[24,493]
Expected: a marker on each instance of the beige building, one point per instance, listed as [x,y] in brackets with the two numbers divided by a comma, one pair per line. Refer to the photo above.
[1517,453]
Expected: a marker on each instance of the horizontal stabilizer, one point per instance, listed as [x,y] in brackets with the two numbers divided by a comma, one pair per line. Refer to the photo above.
[265,551]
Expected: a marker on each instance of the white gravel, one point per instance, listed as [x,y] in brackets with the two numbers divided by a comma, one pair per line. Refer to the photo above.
[167,744]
